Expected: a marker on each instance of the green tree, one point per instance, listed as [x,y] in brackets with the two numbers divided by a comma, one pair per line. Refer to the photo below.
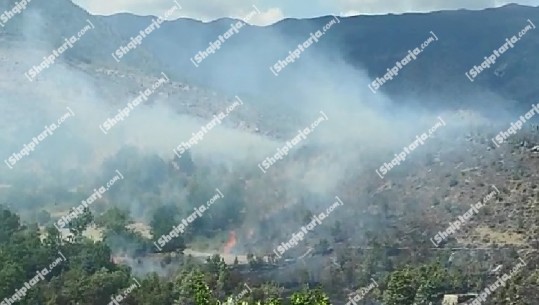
[401,287]
[9,224]
[165,218]
[200,291]
[155,291]
[79,224]
[114,219]
[309,297]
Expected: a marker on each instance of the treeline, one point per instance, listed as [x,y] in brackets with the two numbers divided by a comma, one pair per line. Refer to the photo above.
[88,275]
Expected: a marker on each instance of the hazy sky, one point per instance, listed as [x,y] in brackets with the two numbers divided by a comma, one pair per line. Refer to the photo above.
[275,10]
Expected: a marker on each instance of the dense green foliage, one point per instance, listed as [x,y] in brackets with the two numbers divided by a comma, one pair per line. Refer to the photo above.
[90,277]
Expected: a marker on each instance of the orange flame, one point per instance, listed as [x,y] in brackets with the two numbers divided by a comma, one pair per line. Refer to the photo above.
[231,242]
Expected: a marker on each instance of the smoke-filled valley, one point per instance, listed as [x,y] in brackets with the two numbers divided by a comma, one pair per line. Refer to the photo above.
[202,178]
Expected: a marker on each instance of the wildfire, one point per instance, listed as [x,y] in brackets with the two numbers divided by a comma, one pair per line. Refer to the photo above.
[231,242]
